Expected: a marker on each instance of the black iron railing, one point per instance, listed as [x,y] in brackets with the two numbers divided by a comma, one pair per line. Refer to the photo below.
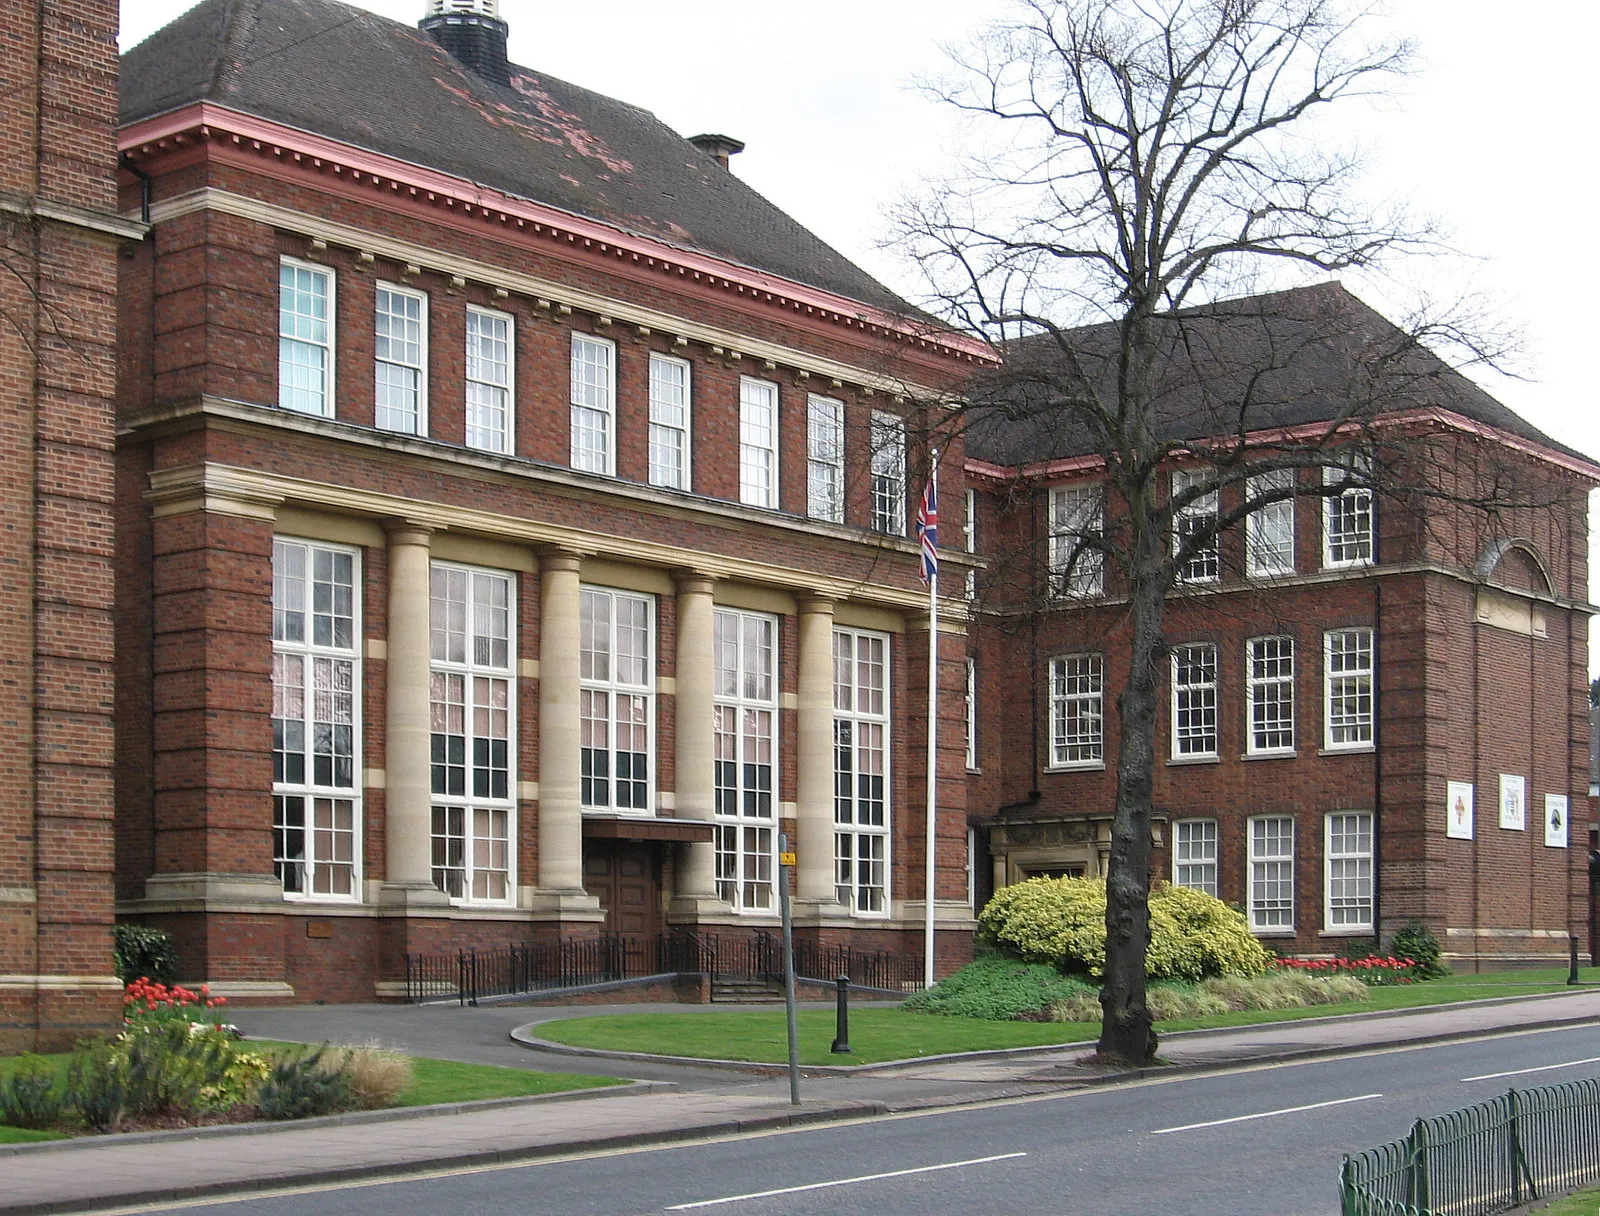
[1493,1157]
[469,976]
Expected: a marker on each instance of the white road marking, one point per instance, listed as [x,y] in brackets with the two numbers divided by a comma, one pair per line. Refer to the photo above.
[1519,1072]
[819,1186]
[1266,1114]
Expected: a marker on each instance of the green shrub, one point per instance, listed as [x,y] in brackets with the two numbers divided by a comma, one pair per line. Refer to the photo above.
[1415,941]
[1172,1001]
[996,987]
[1061,922]
[139,950]
[29,1095]
[97,1084]
[170,1067]
[298,1087]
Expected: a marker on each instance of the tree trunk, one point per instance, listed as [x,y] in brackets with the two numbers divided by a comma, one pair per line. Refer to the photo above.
[1126,1034]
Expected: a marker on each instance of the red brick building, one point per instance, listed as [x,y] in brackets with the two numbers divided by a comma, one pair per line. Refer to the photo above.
[1356,683]
[59,234]
[512,542]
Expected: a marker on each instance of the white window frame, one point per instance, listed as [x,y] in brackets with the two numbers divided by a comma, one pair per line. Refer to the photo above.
[1194,854]
[594,404]
[1345,684]
[1269,533]
[1356,502]
[854,834]
[1194,696]
[309,651]
[825,458]
[328,347]
[746,841]
[417,368]
[1269,685]
[888,436]
[1346,868]
[1077,694]
[614,687]
[972,714]
[475,431]
[756,455]
[1075,512]
[969,536]
[662,429]
[1267,862]
[473,807]
[1205,565]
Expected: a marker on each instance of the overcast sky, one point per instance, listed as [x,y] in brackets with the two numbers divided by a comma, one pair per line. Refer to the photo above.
[1486,135]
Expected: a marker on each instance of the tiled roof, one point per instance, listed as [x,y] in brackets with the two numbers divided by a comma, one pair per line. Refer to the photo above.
[377,84]
[1284,359]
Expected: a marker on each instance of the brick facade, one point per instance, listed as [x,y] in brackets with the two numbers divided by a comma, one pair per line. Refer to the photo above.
[60,234]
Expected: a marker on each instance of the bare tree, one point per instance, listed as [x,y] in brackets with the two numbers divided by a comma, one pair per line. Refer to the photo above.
[1147,165]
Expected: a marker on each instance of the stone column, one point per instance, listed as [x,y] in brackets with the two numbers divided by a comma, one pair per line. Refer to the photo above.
[560,738]
[408,800]
[814,761]
[696,740]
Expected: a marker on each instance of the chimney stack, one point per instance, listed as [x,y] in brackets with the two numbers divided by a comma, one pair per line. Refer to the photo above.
[473,34]
[720,146]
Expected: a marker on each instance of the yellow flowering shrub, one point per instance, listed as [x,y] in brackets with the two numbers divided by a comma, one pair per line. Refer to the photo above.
[1062,922]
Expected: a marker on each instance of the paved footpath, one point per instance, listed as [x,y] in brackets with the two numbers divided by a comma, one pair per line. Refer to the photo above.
[169,1166]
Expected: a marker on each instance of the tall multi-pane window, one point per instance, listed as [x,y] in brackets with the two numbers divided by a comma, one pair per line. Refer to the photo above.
[593,404]
[825,459]
[490,375]
[472,725]
[1347,688]
[888,473]
[1077,710]
[861,770]
[1269,692]
[1077,519]
[305,338]
[400,360]
[758,442]
[316,678]
[1198,517]
[1348,882]
[1347,517]
[1271,873]
[669,422]
[972,713]
[1194,854]
[1194,700]
[745,712]
[969,535]
[616,699]
[1269,530]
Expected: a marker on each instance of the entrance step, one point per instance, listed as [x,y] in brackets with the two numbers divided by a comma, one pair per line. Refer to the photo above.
[748,992]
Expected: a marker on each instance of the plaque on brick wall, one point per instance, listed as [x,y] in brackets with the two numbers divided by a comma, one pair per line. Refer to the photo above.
[1458,810]
[319,928]
[1513,803]
[1555,821]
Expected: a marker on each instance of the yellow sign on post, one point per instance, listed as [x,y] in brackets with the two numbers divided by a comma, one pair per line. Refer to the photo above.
[786,859]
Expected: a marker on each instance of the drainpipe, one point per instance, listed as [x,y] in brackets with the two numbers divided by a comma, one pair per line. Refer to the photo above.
[1377,754]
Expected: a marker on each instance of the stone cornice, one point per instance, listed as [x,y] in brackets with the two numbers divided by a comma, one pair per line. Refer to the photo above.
[306,158]
[103,223]
[229,490]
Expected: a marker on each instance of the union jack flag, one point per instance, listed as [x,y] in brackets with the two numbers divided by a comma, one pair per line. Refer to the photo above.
[928,530]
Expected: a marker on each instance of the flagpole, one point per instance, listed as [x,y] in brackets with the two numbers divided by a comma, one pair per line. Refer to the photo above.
[933,749]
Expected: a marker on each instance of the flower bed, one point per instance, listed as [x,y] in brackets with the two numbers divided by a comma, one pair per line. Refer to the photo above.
[1376,971]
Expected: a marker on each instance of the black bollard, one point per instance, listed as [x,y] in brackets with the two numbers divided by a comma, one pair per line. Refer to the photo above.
[1572,958]
[841,1018]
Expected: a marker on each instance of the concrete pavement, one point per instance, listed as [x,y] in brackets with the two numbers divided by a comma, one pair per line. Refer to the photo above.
[166,1167]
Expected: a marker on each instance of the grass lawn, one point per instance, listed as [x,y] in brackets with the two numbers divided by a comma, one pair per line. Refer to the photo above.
[21,1135]
[1580,1203]
[758,1035]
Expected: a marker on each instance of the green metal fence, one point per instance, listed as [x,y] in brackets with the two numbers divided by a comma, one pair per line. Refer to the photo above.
[1493,1157]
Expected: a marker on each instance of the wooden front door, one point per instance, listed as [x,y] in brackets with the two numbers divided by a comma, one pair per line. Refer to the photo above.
[626,878]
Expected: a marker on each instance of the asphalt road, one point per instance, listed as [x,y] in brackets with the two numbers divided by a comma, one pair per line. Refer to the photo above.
[1264,1141]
